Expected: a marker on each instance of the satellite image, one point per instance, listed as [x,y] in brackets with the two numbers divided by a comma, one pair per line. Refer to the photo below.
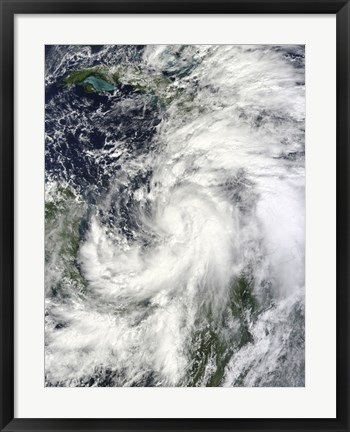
[174,215]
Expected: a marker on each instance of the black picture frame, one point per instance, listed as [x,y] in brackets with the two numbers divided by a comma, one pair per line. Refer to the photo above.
[8,11]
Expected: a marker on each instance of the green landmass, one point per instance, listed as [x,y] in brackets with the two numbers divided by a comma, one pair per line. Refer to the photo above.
[79,76]
[160,87]
[62,238]
[214,343]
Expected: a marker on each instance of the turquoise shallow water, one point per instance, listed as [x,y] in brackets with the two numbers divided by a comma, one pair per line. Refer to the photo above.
[98,84]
